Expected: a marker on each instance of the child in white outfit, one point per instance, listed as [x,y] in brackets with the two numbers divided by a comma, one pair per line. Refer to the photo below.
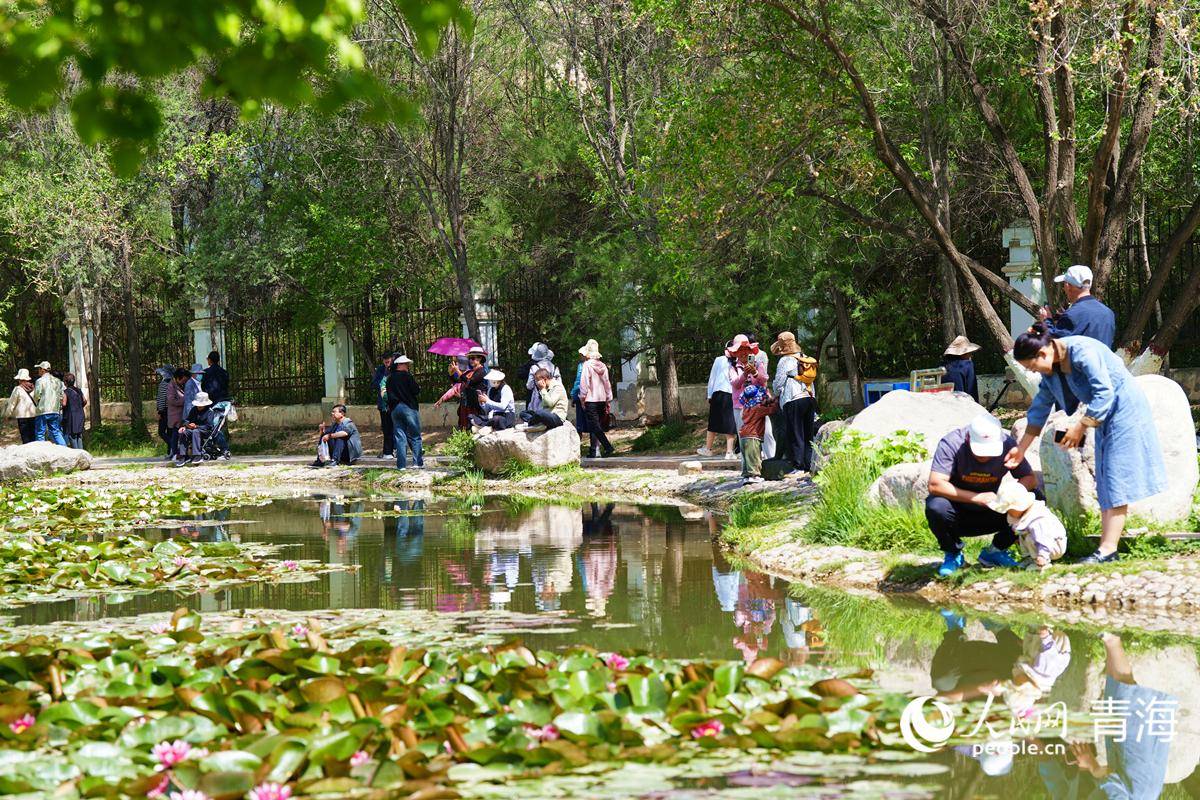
[1040,533]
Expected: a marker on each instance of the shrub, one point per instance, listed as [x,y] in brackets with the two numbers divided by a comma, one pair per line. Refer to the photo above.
[460,448]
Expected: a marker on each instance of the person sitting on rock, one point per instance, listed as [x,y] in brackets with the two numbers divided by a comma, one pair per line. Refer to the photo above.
[1039,532]
[968,467]
[498,405]
[552,411]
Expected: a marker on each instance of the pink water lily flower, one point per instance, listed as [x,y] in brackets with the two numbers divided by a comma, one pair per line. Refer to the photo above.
[615,661]
[546,733]
[22,724]
[183,561]
[160,788]
[171,753]
[189,794]
[290,565]
[713,727]
[270,791]
[359,758]
[299,631]
[159,628]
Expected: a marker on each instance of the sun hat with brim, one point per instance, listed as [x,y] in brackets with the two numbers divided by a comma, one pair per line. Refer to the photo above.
[785,345]
[591,349]
[42,365]
[402,359]
[985,436]
[1012,497]
[753,395]
[1077,275]
[476,351]
[202,399]
[494,375]
[22,375]
[961,346]
[541,352]
[739,344]
[197,368]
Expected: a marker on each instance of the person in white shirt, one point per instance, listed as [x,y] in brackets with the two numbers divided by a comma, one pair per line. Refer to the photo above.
[498,404]
[720,410]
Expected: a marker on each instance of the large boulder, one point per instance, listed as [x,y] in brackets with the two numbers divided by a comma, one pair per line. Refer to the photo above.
[902,485]
[930,415]
[1070,475]
[24,461]
[549,449]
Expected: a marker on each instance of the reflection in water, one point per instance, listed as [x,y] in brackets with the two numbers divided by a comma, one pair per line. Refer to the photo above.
[617,576]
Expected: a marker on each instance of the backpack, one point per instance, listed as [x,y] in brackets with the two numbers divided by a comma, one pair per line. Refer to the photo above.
[807,372]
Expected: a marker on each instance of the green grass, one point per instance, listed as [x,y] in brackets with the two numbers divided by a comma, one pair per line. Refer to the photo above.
[756,516]
[460,449]
[668,436]
[851,624]
[514,470]
[123,441]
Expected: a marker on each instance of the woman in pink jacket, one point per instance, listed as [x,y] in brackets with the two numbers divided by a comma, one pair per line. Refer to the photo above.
[595,392]
[744,366]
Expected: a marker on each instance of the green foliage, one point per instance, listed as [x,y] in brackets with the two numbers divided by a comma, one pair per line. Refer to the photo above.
[843,514]
[121,440]
[291,53]
[514,470]
[72,510]
[669,435]
[460,449]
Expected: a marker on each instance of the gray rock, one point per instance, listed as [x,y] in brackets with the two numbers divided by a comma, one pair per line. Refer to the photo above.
[823,434]
[902,485]
[24,461]
[546,450]
[929,415]
[1070,475]
[690,468]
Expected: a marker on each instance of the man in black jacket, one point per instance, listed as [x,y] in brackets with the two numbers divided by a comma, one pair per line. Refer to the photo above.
[381,402]
[215,383]
[402,394]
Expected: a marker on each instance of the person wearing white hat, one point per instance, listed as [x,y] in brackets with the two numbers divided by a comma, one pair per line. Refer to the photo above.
[195,427]
[541,358]
[401,394]
[968,467]
[21,407]
[49,399]
[498,405]
[1086,315]
[468,384]
[595,394]
[1039,532]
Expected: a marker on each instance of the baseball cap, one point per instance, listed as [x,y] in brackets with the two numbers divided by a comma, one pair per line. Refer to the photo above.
[1076,275]
[986,436]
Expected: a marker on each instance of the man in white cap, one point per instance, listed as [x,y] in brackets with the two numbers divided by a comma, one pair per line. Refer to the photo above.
[48,401]
[1086,316]
[968,467]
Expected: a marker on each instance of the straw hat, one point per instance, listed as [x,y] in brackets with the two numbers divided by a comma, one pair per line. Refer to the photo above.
[202,399]
[961,346]
[22,375]
[591,349]
[785,345]
[476,351]
[740,343]
[494,375]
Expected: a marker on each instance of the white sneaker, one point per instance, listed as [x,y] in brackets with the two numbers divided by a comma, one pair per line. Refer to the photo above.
[521,426]
[754,479]
[704,451]
[484,431]
[732,457]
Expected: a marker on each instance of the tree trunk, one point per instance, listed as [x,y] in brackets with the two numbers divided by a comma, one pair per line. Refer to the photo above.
[1131,338]
[133,376]
[953,323]
[668,383]
[92,322]
[466,291]
[846,345]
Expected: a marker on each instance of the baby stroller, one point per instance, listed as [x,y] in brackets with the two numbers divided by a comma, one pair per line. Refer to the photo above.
[212,444]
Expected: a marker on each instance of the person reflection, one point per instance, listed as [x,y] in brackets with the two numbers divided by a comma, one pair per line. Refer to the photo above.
[409,534]
[337,528]
[801,631]
[1137,750]
[599,523]
[964,668]
[754,614]
[552,571]
[599,569]
[725,578]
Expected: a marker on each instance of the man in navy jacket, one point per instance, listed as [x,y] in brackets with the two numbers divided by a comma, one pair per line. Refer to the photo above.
[1086,316]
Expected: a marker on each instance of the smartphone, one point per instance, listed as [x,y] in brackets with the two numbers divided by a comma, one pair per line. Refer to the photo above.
[1060,434]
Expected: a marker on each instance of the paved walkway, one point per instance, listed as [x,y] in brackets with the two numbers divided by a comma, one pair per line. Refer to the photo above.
[667,462]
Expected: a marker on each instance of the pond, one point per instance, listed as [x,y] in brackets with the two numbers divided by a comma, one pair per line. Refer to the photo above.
[651,578]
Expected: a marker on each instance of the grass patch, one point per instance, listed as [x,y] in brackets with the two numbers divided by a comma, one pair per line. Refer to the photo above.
[668,436]
[514,470]
[851,625]
[123,441]
[460,449]
[755,516]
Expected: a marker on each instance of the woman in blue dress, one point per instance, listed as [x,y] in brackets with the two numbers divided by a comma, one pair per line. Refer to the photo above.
[1078,370]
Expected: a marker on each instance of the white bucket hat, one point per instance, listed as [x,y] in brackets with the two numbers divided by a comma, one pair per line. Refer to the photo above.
[22,375]
[402,360]
[202,399]
[1012,497]
[494,375]
[591,349]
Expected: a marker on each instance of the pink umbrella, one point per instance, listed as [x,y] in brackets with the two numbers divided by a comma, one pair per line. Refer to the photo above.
[451,346]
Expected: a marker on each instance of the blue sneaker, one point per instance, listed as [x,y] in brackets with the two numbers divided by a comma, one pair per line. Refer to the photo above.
[993,557]
[951,564]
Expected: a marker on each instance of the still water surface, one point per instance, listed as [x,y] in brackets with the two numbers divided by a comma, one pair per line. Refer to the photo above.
[651,578]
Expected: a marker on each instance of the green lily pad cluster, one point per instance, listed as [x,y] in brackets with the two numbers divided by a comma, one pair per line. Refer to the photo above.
[34,568]
[222,712]
[66,510]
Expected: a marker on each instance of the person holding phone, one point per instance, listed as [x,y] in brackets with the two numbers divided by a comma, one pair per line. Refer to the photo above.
[1129,462]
